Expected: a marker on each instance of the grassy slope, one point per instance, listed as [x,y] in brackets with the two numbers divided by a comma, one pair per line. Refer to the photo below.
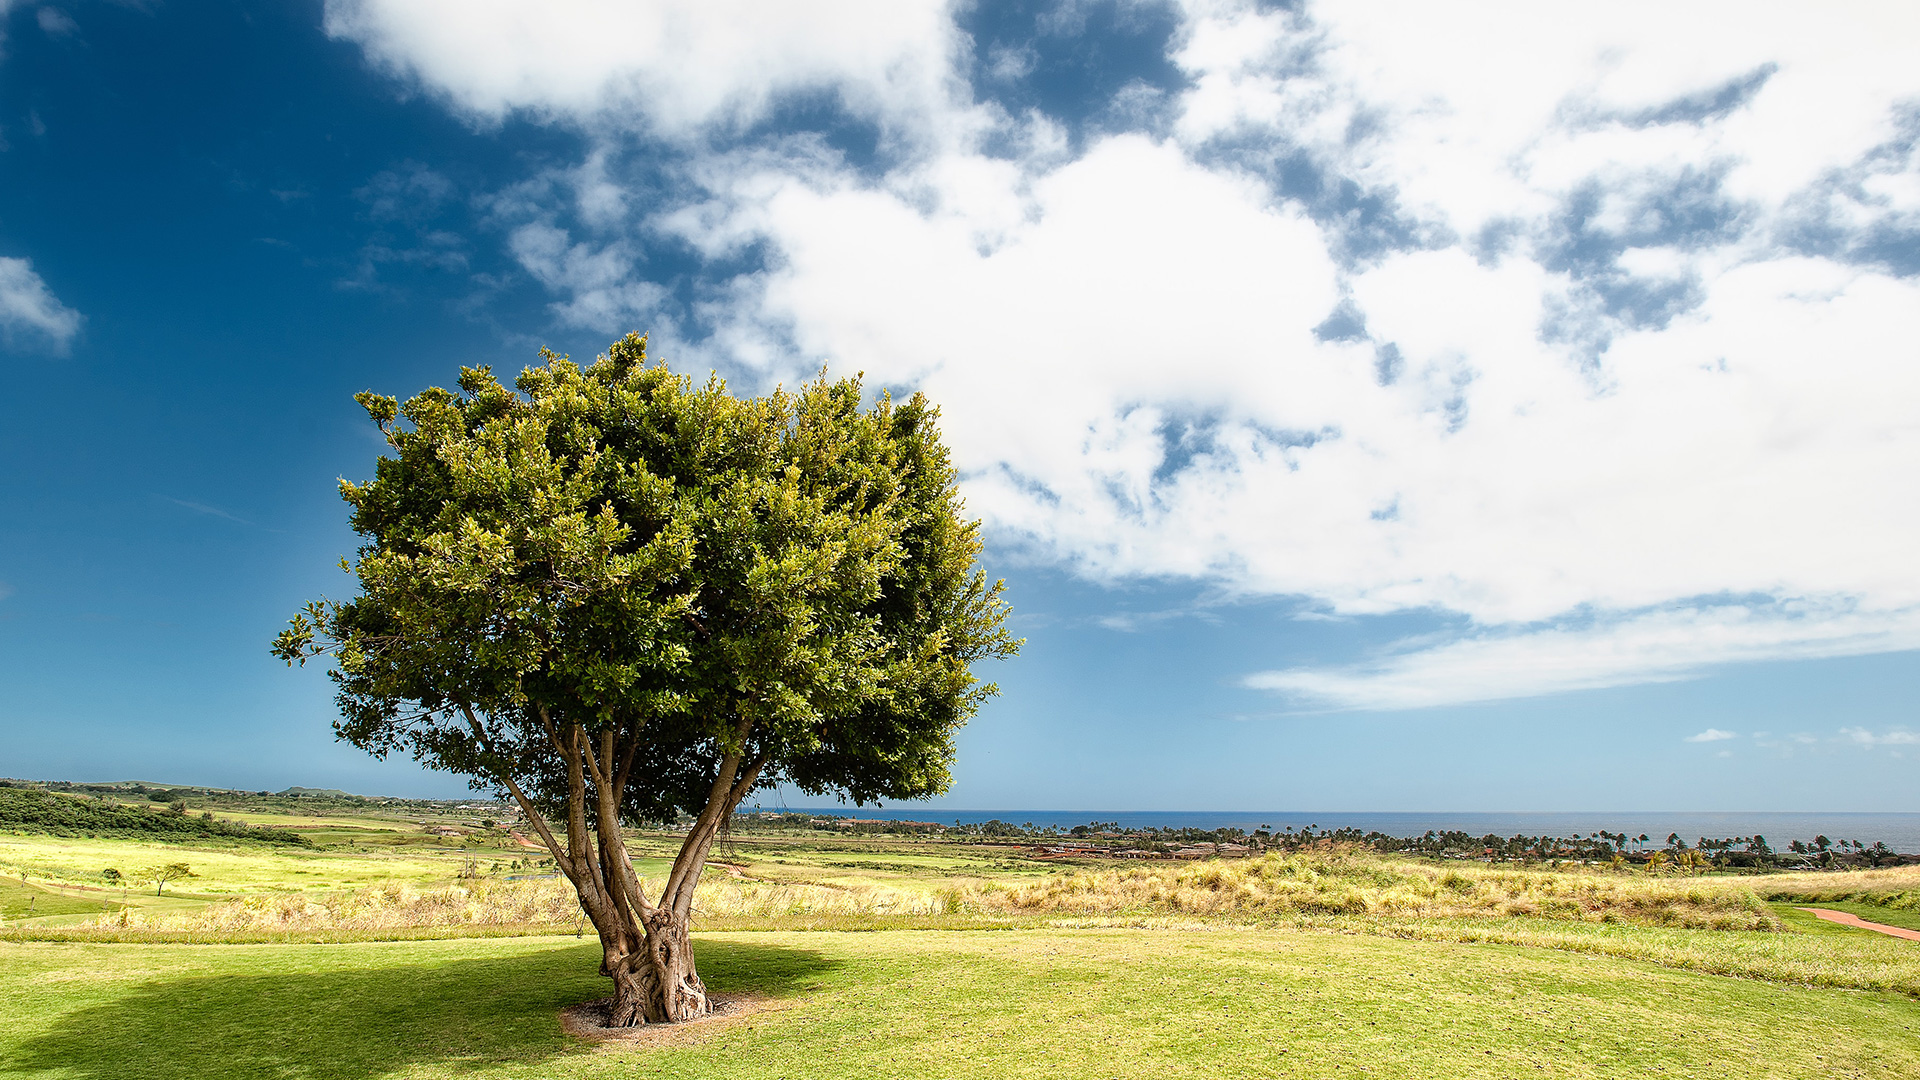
[1096,1003]
[14,898]
[236,868]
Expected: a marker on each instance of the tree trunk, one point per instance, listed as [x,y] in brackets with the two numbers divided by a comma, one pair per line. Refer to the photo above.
[681,994]
[646,949]
[636,992]
[656,984]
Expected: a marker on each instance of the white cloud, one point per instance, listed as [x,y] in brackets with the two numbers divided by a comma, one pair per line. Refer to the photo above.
[1485,111]
[1860,736]
[602,292]
[1711,735]
[679,66]
[54,22]
[1593,397]
[29,312]
[1652,647]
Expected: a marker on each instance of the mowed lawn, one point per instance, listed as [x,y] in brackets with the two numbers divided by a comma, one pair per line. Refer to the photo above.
[930,1004]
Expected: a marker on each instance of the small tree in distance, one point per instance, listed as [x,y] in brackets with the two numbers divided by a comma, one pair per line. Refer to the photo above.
[615,596]
[160,875]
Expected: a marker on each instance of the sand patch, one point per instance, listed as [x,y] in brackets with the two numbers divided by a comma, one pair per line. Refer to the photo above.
[587,1021]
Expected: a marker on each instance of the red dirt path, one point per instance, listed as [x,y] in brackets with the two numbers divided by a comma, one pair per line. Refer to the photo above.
[1845,919]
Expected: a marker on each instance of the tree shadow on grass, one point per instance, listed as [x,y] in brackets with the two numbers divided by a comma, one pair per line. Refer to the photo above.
[324,1021]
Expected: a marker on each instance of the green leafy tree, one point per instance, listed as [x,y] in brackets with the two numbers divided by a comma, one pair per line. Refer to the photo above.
[162,874]
[616,596]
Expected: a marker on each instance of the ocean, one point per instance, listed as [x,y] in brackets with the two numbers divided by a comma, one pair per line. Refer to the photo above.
[1901,832]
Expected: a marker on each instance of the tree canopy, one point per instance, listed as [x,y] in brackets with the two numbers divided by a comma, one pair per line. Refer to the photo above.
[619,596]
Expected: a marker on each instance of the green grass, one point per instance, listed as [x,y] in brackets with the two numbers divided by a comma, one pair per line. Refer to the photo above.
[1805,922]
[236,867]
[1907,918]
[72,929]
[950,992]
[1829,956]
[1021,1003]
[14,898]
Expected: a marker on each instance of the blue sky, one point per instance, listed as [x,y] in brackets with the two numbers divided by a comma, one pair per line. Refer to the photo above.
[1369,410]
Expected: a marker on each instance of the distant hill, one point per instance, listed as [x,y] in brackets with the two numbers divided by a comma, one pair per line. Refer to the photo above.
[122,787]
[164,792]
[29,810]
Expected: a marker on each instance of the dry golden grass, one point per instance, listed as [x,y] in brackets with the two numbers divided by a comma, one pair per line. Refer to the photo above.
[384,907]
[1895,887]
[548,903]
[1351,882]
[1274,887]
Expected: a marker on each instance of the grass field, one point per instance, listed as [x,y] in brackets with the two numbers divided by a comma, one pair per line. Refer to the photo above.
[1093,1003]
[19,901]
[225,868]
[397,960]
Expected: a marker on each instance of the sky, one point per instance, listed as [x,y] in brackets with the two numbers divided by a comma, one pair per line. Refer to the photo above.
[1370,407]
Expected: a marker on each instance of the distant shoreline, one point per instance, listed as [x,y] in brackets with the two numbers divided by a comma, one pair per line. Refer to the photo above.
[1900,831]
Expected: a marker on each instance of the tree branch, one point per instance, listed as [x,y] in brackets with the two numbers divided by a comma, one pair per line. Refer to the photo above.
[577,847]
[534,816]
[692,859]
[623,884]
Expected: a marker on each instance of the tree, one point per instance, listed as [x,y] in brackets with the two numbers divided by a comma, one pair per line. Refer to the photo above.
[160,875]
[615,597]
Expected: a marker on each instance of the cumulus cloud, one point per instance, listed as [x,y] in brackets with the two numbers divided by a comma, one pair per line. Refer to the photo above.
[678,67]
[30,315]
[1592,334]
[1711,735]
